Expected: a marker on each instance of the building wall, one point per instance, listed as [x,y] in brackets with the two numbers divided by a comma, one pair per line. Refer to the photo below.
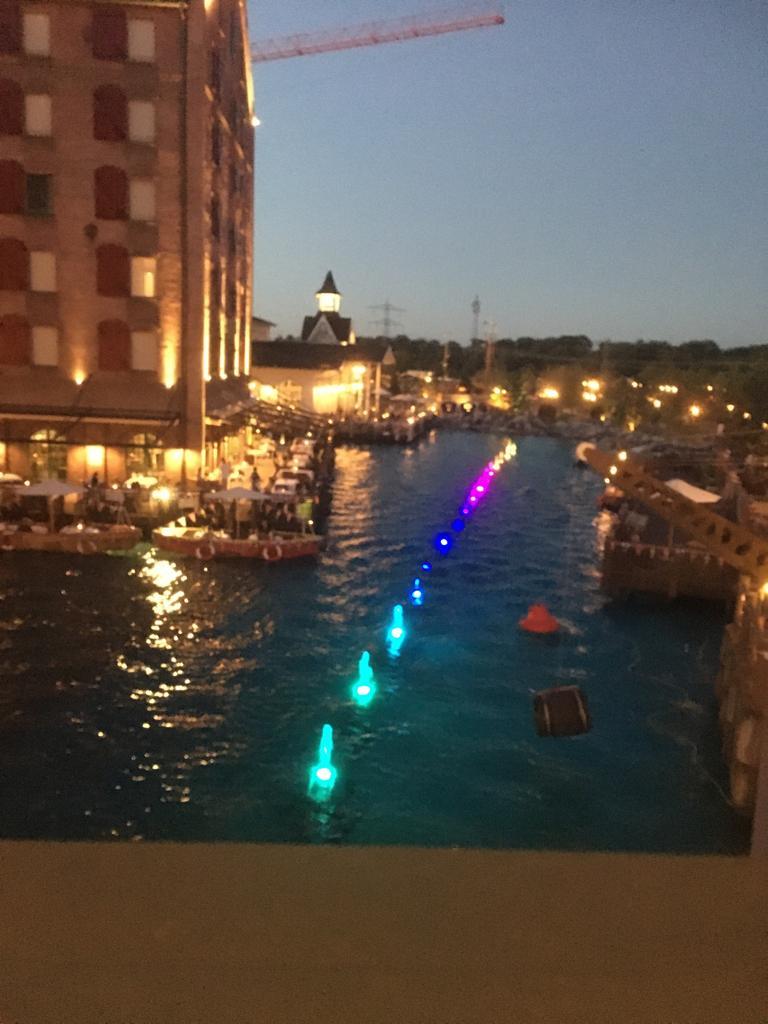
[327,392]
[198,76]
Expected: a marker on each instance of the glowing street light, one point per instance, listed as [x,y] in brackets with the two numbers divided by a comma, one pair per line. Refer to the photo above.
[695,410]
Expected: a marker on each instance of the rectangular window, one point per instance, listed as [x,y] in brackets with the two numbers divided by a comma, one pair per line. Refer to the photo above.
[143,273]
[45,346]
[37,35]
[109,34]
[38,115]
[216,143]
[42,272]
[142,199]
[39,192]
[141,39]
[10,28]
[141,121]
[144,350]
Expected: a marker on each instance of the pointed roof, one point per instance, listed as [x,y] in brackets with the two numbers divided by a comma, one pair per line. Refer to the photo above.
[329,286]
[340,325]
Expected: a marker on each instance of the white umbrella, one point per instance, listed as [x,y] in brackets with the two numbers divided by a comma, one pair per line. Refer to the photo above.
[52,489]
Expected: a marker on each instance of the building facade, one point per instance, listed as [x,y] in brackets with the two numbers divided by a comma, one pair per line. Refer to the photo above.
[329,372]
[126,227]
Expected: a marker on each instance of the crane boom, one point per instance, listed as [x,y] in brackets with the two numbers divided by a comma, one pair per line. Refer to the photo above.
[373,33]
[736,545]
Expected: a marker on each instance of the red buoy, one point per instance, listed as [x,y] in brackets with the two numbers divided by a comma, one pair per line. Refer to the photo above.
[539,620]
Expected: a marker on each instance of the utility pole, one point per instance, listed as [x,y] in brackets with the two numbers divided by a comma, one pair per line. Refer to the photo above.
[475,318]
[490,349]
[386,321]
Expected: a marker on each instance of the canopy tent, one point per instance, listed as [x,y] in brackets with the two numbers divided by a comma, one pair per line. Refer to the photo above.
[50,489]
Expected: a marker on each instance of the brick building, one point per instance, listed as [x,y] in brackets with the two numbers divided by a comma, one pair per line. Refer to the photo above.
[126,226]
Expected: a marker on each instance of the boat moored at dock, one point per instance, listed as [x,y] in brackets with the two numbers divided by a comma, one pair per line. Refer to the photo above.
[206,544]
[88,541]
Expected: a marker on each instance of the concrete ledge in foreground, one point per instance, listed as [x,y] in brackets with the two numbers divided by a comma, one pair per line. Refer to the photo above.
[241,934]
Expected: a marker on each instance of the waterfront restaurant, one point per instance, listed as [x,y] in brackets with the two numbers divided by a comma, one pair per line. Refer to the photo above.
[126,174]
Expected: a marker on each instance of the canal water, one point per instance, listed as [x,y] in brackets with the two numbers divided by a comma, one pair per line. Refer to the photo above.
[147,698]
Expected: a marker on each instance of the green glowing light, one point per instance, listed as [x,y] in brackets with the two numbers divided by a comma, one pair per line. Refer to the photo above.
[396,631]
[323,775]
[364,687]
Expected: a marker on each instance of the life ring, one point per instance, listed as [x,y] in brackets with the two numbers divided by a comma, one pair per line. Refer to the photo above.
[86,547]
[205,551]
[271,552]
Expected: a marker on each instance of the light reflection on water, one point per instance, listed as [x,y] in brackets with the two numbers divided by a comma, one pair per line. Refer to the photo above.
[158,698]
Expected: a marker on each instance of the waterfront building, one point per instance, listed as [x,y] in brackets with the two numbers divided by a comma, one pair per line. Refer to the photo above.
[126,184]
[329,371]
[261,330]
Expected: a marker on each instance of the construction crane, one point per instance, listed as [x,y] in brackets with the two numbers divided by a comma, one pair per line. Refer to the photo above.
[735,544]
[305,44]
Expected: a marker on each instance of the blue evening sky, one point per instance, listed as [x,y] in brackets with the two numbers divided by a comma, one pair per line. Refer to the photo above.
[592,166]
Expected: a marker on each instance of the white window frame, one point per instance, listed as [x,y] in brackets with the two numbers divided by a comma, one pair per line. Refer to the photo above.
[142,200]
[144,351]
[42,271]
[45,346]
[37,34]
[38,115]
[141,40]
[144,277]
[142,125]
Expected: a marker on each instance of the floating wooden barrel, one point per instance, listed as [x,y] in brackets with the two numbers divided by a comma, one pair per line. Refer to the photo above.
[561,711]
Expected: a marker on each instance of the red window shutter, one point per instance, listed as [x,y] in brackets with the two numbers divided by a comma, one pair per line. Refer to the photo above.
[15,341]
[110,33]
[14,265]
[110,114]
[13,182]
[11,108]
[113,272]
[114,345]
[110,186]
[10,26]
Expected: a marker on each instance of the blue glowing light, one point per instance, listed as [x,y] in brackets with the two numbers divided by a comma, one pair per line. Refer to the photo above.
[473,499]
[458,525]
[417,594]
[443,542]
[426,567]
[396,631]
[323,775]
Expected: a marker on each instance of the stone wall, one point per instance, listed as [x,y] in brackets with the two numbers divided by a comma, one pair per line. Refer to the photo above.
[742,689]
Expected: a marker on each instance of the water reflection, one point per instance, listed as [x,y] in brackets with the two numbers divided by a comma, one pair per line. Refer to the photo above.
[172,700]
